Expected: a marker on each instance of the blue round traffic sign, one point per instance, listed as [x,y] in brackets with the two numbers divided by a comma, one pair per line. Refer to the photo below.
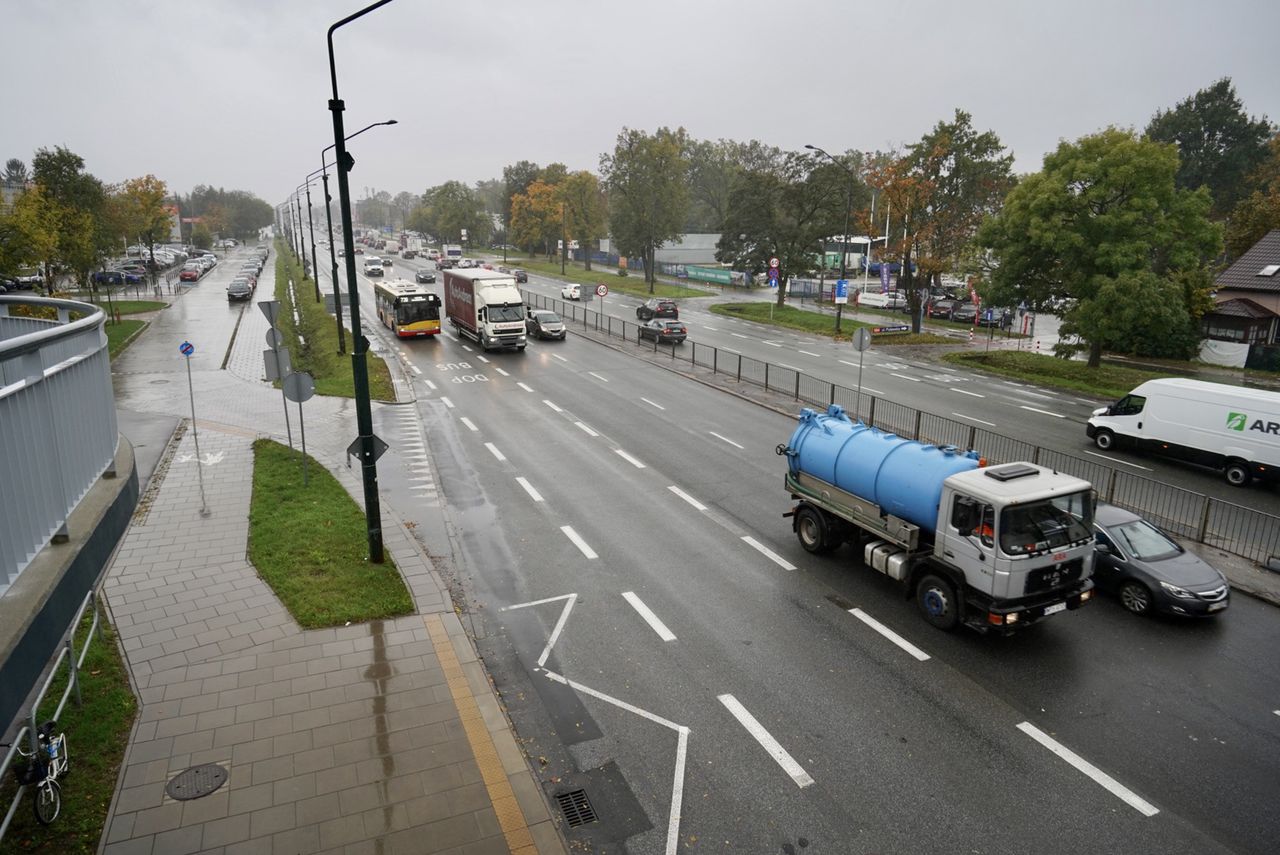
[187,348]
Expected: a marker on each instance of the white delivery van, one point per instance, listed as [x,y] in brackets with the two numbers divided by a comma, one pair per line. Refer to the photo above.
[1234,429]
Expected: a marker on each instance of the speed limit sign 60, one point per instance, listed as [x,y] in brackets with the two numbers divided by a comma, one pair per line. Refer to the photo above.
[602,290]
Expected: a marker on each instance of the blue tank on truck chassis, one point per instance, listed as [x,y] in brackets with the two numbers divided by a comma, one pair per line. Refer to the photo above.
[995,548]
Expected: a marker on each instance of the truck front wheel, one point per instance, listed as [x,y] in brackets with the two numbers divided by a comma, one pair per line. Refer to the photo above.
[936,598]
[814,530]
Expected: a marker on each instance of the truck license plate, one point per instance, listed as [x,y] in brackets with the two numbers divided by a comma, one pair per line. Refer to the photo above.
[1054,609]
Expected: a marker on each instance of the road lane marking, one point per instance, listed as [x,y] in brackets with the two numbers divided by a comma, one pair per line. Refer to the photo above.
[493,449]
[1042,412]
[627,457]
[649,617]
[446,402]
[470,424]
[559,357]
[416,370]
[966,392]
[731,350]
[771,343]
[788,367]
[809,353]
[690,499]
[890,634]
[570,599]
[713,329]
[905,377]
[767,742]
[1118,460]
[975,419]
[528,488]
[739,335]
[598,377]
[552,405]
[1100,777]
[524,386]
[430,385]
[768,553]
[652,404]
[481,358]
[725,438]
[467,349]
[500,371]
[578,541]
[586,429]
[1034,394]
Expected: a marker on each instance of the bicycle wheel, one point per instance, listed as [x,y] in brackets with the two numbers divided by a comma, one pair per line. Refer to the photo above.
[47,802]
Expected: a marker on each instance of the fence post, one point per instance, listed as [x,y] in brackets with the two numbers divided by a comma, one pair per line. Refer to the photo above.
[833,393]
[797,386]
[1111,485]
[739,367]
[715,360]
[73,673]
[766,377]
[917,433]
[1204,520]
[871,413]
[973,436]
[1035,455]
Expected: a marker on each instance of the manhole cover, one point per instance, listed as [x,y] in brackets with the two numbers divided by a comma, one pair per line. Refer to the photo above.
[196,782]
[576,808]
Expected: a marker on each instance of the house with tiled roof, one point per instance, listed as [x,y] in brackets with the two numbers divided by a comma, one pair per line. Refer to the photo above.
[1248,297]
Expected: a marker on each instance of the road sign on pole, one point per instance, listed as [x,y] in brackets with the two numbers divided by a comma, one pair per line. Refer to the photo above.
[774,263]
[842,291]
[602,290]
[861,342]
[270,308]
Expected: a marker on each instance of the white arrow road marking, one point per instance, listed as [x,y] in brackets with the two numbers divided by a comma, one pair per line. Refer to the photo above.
[650,618]
[767,742]
[578,542]
[690,499]
[889,634]
[1100,777]
[768,553]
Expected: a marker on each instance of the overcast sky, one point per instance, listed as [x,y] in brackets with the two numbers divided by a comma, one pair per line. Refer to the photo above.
[234,93]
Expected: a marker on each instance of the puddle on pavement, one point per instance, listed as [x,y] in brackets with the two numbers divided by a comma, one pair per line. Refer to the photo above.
[379,671]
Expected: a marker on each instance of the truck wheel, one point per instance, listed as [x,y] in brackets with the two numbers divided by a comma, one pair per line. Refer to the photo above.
[1104,439]
[936,598]
[813,530]
[1237,473]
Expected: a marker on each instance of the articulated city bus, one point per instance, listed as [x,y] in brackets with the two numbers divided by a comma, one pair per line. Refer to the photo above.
[406,308]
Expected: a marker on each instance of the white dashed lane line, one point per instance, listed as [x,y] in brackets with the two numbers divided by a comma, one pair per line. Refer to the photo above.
[1100,777]
[973,419]
[500,371]
[416,370]
[470,424]
[446,402]
[966,392]
[1042,412]
[905,377]
[482,359]
[767,742]
[493,449]
[652,404]
[739,335]
[524,386]
[649,617]
[627,457]
[690,499]
[890,634]
[430,385]
[578,542]
[1118,460]
[810,353]
[598,377]
[528,488]
[768,553]
[725,439]
[552,405]
[559,357]
[586,429]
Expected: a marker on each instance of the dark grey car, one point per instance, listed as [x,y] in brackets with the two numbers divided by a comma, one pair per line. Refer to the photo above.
[1149,570]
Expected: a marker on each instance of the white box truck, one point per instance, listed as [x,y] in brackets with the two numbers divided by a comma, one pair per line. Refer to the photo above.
[486,306]
[1233,429]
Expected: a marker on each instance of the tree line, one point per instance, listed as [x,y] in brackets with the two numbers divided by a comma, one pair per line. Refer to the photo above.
[65,220]
[1120,231]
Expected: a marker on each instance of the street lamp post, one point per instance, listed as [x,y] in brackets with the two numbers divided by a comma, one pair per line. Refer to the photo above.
[315,273]
[302,241]
[333,258]
[360,344]
[844,235]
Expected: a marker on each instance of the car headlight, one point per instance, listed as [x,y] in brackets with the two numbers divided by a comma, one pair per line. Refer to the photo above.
[1180,593]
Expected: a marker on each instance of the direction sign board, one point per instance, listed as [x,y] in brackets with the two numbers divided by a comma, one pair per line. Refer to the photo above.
[842,291]
[299,387]
[602,290]
[186,348]
[270,308]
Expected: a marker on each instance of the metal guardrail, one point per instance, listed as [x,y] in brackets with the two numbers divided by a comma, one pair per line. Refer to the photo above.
[29,730]
[57,418]
[1228,526]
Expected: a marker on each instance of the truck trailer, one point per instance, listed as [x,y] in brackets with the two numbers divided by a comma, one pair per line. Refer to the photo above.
[995,548]
[1233,429]
[486,306]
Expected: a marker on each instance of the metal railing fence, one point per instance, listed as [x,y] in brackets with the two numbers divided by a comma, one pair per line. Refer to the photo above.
[1228,526]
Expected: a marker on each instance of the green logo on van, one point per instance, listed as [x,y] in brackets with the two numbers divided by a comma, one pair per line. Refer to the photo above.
[1236,421]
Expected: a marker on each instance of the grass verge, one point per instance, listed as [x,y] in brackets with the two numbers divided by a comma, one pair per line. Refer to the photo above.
[120,334]
[97,734]
[1106,381]
[310,545]
[319,356]
[133,307]
[820,324]
[631,284]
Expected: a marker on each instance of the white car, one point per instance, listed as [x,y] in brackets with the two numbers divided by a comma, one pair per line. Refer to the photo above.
[571,292]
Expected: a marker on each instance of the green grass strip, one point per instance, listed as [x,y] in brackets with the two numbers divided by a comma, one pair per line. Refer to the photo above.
[1105,381]
[632,284]
[817,323]
[97,734]
[120,334]
[310,544]
[319,356]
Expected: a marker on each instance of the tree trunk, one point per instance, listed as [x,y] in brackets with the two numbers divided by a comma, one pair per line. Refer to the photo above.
[907,280]
[586,255]
[1095,354]
[650,274]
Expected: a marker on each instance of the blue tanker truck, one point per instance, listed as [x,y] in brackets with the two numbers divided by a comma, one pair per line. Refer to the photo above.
[993,547]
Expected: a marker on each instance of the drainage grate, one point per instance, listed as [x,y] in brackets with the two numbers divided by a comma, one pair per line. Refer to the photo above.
[196,782]
[576,808]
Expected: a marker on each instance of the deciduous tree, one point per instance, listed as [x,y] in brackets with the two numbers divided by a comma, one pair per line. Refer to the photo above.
[536,217]
[648,192]
[586,216]
[1259,212]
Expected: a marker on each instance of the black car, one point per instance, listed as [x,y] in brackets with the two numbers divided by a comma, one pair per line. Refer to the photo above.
[425,277]
[964,313]
[544,324]
[7,284]
[239,289]
[520,275]
[995,317]
[1150,571]
[942,308]
[664,331]
[657,309]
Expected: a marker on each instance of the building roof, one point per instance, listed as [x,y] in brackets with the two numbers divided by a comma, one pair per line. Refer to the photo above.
[1256,270]
[1242,308]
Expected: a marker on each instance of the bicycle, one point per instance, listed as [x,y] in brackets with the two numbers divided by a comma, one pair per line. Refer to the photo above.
[50,761]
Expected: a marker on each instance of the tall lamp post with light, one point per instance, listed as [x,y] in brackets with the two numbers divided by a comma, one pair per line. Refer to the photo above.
[844,235]
[365,446]
[333,258]
[315,273]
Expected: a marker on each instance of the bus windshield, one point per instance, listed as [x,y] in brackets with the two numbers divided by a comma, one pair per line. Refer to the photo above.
[1048,524]
[417,310]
